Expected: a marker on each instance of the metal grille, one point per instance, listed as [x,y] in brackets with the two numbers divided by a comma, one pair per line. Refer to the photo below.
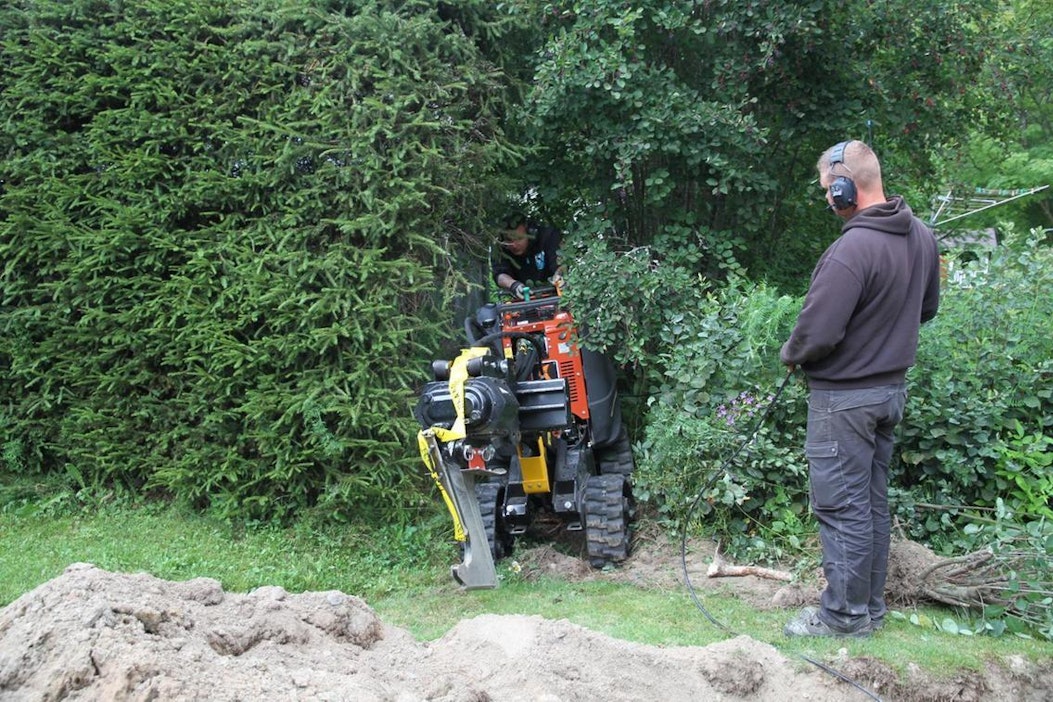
[566,371]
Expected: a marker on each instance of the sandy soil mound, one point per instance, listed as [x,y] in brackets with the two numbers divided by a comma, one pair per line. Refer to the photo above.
[95,635]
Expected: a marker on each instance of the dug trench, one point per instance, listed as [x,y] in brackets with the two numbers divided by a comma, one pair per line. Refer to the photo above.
[90,634]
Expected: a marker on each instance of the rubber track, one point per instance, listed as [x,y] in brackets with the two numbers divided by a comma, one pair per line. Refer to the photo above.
[617,459]
[606,524]
[487,494]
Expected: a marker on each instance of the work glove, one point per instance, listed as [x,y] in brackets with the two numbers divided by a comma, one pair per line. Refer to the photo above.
[557,282]
[518,290]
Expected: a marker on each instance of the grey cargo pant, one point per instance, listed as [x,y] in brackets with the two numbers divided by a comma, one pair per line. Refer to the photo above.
[849,445]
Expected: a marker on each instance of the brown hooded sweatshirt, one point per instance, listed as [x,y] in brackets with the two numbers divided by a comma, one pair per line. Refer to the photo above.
[870,292]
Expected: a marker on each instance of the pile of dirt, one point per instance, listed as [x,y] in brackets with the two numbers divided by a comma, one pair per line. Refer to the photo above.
[90,634]
[95,635]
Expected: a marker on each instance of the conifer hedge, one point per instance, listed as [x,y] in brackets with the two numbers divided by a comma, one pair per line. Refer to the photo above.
[221,228]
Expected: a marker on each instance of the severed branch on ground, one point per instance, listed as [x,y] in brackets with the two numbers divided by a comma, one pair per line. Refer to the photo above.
[719,568]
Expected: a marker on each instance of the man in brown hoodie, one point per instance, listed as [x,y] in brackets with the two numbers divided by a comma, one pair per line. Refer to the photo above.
[855,338]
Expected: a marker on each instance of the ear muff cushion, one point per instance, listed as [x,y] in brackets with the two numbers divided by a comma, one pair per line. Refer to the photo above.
[843,193]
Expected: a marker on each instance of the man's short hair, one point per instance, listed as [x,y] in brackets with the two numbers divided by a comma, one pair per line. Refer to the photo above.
[512,220]
[859,162]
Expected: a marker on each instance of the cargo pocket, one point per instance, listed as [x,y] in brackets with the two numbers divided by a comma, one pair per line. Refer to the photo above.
[828,487]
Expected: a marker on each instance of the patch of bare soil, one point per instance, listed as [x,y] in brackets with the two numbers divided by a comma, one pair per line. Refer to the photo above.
[90,634]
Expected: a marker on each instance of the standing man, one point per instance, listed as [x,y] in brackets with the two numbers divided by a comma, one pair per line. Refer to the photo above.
[528,254]
[855,338]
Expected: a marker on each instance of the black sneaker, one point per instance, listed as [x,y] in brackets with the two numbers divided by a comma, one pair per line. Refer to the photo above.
[808,623]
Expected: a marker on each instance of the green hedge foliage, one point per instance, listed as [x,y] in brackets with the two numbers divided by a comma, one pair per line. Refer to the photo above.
[220,229]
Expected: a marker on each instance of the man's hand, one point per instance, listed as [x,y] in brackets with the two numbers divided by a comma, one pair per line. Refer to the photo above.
[518,290]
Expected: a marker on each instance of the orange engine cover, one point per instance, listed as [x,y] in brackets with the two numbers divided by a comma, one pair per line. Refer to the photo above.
[563,355]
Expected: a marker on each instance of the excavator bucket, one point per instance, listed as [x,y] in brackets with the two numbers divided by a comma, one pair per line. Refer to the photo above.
[476,571]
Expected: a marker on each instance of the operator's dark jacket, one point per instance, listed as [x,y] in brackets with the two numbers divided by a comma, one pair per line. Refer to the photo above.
[538,264]
[870,292]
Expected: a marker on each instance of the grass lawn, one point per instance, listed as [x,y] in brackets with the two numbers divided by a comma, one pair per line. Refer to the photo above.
[403,574]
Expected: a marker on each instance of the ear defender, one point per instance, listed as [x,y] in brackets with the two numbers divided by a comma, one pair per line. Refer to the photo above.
[842,189]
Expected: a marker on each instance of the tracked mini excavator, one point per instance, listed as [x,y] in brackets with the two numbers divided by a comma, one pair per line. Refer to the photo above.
[526,423]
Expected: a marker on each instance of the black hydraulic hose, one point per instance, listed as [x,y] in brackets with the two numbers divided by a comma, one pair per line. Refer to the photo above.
[532,338]
[724,470]
[494,336]
[469,329]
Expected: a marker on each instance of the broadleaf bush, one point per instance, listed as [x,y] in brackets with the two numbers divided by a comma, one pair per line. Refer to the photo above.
[711,438]
[976,434]
[979,419]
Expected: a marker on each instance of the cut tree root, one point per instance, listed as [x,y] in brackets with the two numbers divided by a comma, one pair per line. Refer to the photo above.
[974,581]
[916,574]
[1006,580]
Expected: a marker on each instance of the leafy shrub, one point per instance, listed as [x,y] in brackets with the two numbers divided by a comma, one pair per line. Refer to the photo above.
[976,432]
[979,418]
[720,374]
[705,355]
[623,297]
[752,496]
[1017,576]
